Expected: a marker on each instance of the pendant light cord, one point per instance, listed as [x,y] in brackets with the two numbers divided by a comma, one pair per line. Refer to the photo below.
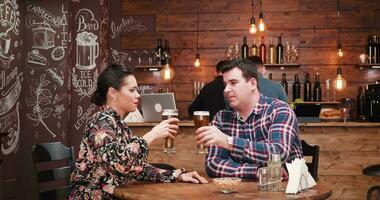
[252,6]
[197,25]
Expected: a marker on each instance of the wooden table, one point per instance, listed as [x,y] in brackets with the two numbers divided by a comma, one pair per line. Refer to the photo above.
[188,191]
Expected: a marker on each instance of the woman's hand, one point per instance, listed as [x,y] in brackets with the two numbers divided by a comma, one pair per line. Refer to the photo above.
[167,128]
[192,177]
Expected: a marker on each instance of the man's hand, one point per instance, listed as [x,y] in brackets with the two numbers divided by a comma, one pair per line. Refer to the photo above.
[192,177]
[208,135]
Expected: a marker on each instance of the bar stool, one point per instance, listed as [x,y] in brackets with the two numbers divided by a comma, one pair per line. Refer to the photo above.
[373,170]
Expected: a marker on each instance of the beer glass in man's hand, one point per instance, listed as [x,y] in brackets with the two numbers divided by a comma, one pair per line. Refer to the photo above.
[201,118]
[169,142]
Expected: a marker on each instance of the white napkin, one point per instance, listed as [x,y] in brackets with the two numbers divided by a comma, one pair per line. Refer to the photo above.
[299,177]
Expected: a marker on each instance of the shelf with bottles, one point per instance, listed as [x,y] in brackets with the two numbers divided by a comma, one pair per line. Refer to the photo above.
[148,67]
[373,66]
[282,66]
[317,102]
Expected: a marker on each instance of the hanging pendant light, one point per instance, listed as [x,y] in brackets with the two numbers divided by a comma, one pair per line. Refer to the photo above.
[197,62]
[340,51]
[339,82]
[261,18]
[252,27]
[167,72]
[339,46]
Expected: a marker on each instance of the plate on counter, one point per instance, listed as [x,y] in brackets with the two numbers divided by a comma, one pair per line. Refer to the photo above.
[331,115]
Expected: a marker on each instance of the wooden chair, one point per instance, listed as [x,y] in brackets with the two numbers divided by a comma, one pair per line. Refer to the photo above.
[44,156]
[373,170]
[313,152]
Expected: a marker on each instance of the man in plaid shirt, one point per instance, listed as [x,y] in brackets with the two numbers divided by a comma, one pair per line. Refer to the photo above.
[241,138]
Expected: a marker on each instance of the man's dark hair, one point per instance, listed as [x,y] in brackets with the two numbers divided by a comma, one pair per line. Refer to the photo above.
[245,66]
[220,65]
[113,77]
[256,61]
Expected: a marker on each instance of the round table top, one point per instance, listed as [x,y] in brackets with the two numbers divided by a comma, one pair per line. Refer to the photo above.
[189,191]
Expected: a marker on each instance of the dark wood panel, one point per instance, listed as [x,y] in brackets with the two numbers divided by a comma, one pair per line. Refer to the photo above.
[205,6]
[319,5]
[276,20]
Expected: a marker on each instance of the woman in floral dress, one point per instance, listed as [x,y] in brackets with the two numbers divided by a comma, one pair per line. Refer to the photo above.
[109,154]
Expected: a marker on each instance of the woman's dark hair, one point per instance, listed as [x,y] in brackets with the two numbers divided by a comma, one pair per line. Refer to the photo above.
[113,77]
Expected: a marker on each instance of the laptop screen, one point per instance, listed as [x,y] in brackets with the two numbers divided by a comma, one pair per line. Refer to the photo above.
[153,105]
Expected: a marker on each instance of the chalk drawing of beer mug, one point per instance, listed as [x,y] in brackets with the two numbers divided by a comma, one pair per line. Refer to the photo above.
[87,51]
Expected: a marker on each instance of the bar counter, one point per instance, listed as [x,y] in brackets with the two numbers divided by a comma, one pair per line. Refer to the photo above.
[345,150]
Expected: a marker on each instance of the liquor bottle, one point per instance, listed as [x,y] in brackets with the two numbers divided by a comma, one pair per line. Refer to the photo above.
[370,50]
[254,49]
[158,52]
[244,48]
[307,88]
[330,93]
[378,49]
[279,52]
[284,83]
[375,49]
[263,50]
[317,91]
[272,52]
[296,88]
[270,76]
[361,110]
[165,58]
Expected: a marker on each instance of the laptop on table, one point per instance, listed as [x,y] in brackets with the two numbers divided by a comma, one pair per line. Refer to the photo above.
[153,104]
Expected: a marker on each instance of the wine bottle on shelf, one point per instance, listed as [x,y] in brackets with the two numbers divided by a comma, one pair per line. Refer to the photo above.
[272,52]
[307,88]
[370,50]
[296,88]
[284,83]
[330,93]
[378,49]
[270,76]
[361,110]
[165,53]
[263,50]
[158,53]
[317,91]
[254,49]
[375,49]
[244,48]
[279,52]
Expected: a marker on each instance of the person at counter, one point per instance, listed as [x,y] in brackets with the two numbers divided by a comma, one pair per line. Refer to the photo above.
[240,139]
[211,96]
[109,153]
[268,87]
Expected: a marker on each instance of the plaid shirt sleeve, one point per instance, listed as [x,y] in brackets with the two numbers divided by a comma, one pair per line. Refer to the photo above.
[281,135]
[220,163]
[246,156]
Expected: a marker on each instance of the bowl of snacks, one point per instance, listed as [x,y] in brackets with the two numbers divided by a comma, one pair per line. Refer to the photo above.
[227,184]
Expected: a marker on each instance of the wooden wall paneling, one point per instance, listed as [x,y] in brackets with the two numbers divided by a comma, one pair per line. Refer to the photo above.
[274,20]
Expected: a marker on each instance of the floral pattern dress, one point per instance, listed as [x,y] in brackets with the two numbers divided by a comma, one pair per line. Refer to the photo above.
[109,156]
